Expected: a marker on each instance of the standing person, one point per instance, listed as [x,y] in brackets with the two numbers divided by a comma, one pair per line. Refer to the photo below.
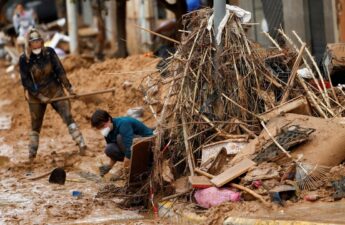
[23,21]
[43,78]
[118,133]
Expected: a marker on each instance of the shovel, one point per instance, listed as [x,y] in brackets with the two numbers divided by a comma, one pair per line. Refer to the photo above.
[57,176]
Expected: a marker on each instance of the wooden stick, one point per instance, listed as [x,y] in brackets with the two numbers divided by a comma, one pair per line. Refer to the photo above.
[323,104]
[175,195]
[272,40]
[160,133]
[305,62]
[190,157]
[254,194]
[332,87]
[81,95]
[196,150]
[40,176]
[272,79]
[316,67]
[168,80]
[198,76]
[208,121]
[154,113]
[199,171]
[187,66]
[275,56]
[241,88]
[201,132]
[159,35]
[130,72]
[309,93]
[235,103]
[293,74]
[244,37]
[243,127]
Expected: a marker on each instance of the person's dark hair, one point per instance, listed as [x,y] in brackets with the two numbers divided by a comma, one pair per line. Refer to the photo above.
[99,117]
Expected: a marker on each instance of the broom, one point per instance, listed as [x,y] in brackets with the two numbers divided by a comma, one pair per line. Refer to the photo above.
[308,176]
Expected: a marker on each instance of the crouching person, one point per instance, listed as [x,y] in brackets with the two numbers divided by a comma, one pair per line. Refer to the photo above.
[119,133]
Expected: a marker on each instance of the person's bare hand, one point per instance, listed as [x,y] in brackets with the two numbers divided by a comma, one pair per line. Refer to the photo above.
[126,162]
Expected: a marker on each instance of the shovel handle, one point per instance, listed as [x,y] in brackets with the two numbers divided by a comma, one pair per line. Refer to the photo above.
[81,95]
[40,176]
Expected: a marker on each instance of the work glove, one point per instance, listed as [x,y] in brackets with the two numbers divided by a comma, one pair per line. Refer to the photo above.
[43,98]
[104,169]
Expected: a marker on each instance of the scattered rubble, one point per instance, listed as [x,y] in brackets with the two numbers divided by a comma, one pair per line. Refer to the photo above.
[218,102]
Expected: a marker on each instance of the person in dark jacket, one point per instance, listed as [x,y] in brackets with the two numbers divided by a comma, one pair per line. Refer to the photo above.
[118,133]
[43,78]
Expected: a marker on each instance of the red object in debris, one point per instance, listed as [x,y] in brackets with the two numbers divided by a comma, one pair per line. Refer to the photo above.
[155,211]
[257,183]
[327,84]
[311,197]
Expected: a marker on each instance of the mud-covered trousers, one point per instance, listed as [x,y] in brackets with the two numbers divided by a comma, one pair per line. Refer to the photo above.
[37,111]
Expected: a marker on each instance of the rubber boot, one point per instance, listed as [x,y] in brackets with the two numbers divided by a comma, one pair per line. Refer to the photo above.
[77,137]
[33,144]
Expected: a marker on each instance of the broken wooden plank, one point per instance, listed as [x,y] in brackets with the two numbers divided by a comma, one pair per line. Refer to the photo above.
[199,182]
[218,162]
[297,105]
[233,172]
[212,150]
[141,160]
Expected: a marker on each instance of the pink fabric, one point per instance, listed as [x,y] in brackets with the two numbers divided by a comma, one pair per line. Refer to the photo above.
[213,196]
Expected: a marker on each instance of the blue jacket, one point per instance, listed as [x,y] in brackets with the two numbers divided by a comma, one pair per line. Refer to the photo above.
[127,127]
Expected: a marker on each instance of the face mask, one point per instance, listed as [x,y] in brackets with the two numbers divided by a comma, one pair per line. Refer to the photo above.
[37,51]
[105,131]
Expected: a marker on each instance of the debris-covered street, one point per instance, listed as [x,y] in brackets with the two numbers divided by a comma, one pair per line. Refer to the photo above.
[190,119]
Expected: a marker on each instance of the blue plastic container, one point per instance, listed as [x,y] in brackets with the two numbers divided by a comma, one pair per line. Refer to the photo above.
[76,193]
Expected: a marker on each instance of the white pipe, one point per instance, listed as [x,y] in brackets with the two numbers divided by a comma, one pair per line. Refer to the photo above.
[87,12]
[72,26]
[219,7]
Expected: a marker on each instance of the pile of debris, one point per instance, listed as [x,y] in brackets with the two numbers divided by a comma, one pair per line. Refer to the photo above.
[245,118]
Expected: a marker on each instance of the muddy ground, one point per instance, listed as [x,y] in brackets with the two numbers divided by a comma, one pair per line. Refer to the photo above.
[25,201]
